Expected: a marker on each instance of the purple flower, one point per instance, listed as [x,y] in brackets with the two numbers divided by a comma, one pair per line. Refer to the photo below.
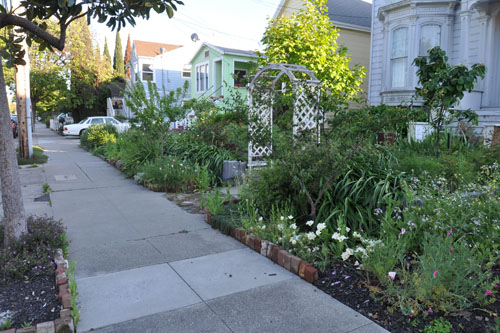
[451,250]
[435,273]
[488,292]
[403,231]
[449,232]
[430,310]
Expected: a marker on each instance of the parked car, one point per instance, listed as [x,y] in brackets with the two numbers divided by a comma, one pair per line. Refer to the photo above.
[64,118]
[79,128]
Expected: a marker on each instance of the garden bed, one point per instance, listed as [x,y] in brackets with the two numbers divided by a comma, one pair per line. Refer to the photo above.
[37,290]
[348,285]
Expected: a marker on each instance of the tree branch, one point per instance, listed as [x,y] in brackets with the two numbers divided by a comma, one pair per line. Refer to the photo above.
[9,19]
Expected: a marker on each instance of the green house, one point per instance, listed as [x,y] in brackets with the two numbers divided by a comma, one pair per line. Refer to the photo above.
[215,69]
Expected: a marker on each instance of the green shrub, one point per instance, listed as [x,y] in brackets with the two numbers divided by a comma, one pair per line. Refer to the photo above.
[34,252]
[98,135]
[170,173]
[134,148]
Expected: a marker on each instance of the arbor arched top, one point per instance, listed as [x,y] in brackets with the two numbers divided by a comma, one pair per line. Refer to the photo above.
[285,69]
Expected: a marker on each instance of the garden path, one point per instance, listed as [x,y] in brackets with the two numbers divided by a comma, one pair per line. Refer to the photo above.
[145,265]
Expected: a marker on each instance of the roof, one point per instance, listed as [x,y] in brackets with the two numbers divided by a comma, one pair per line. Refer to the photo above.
[346,13]
[352,12]
[225,50]
[152,49]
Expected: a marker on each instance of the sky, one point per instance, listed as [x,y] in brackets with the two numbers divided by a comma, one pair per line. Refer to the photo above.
[231,23]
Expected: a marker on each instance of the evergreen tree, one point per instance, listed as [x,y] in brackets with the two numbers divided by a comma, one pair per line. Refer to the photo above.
[128,55]
[107,56]
[118,57]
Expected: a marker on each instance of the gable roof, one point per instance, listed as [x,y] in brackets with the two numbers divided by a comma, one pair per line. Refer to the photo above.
[353,12]
[356,14]
[152,49]
[225,50]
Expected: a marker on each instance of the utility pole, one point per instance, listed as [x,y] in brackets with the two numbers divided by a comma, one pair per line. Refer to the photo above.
[23,99]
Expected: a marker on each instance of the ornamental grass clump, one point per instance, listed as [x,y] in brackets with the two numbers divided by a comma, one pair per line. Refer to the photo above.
[170,173]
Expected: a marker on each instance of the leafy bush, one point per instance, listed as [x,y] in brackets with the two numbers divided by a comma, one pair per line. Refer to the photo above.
[213,157]
[171,173]
[134,148]
[98,135]
[34,252]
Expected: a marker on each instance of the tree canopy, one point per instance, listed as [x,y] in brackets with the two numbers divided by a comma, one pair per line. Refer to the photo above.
[118,65]
[31,17]
[309,38]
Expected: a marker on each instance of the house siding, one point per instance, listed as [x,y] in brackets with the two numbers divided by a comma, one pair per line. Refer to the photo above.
[467,36]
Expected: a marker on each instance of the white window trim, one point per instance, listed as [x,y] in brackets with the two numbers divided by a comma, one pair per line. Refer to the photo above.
[152,71]
[206,77]
[214,76]
[390,58]
[239,69]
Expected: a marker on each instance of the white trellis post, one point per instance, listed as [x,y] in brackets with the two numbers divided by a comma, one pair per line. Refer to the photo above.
[305,106]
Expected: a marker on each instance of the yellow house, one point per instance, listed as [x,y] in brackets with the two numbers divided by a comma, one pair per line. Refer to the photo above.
[353,19]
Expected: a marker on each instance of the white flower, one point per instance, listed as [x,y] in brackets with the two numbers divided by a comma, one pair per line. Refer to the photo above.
[280,226]
[311,236]
[282,218]
[392,275]
[293,241]
[310,222]
[348,252]
[318,232]
[290,217]
[347,229]
[339,237]
[356,235]
[293,226]
[321,226]
[260,219]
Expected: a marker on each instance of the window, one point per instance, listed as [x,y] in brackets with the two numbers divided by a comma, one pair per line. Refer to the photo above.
[202,78]
[147,72]
[239,77]
[430,36]
[97,121]
[111,121]
[186,72]
[399,57]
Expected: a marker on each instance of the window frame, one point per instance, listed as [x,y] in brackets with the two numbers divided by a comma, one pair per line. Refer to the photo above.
[239,85]
[200,86]
[393,59]
[152,72]
[421,28]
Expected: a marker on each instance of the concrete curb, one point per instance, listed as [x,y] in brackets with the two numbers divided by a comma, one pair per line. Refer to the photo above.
[63,324]
[273,252]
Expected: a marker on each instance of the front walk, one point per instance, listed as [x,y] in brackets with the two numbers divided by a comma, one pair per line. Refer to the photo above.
[145,265]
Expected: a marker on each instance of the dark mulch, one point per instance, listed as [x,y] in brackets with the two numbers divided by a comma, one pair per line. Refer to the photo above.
[34,300]
[347,284]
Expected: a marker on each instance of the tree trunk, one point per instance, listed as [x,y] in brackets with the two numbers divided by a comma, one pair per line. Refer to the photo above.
[12,200]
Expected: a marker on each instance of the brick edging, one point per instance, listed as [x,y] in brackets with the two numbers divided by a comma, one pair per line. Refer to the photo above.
[63,324]
[272,251]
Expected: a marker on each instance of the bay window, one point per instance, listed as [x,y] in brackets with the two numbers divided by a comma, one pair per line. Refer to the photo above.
[399,58]
[430,36]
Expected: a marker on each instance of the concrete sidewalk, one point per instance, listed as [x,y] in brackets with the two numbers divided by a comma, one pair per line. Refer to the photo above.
[145,265]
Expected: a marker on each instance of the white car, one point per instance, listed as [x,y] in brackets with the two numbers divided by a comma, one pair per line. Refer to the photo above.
[79,128]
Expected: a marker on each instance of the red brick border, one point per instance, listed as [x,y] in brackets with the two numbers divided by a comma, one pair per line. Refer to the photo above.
[272,251]
[63,324]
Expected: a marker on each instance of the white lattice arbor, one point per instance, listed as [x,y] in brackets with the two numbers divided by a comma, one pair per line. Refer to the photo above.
[262,91]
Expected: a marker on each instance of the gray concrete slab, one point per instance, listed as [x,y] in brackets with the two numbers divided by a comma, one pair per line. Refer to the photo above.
[114,257]
[191,319]
[116,297]
[202,242]
[287,306]
[230,272]
[123,235]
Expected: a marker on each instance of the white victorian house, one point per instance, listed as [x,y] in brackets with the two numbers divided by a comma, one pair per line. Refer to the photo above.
[469,32]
